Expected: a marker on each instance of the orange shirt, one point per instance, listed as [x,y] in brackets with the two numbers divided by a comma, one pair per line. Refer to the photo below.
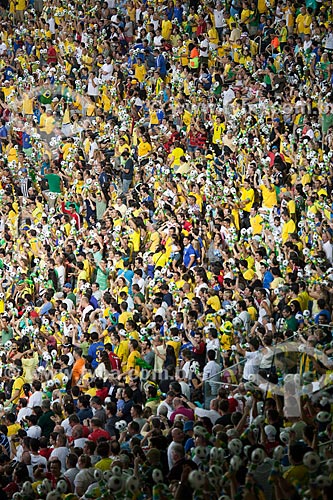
[77,370]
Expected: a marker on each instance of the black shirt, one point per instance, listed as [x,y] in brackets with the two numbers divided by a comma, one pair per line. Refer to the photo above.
[129,166]
[224,420]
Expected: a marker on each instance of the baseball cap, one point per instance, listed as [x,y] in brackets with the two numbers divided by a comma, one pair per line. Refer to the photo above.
[68,285]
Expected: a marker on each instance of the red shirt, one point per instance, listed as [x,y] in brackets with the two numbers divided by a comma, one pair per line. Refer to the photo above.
[102,393]
[98,433]
[74,215]
[45,452]
[200,349]
[187,412]
[51,55]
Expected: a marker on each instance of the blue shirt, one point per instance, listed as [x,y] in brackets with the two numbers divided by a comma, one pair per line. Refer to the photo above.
[188,252]
[160,64]
[268,278]
[45,308]
[94,302]
[93,350]
[84,414]
[178,14]
[3,131]
[26,144]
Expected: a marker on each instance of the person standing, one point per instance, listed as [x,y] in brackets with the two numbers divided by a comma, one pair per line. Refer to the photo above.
[78,365]
[127,171]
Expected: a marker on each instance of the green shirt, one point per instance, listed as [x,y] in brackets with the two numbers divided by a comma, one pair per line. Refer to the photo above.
[46,423]
[102,278]
[292,323]
[71,296]
[54,183]
[6,335]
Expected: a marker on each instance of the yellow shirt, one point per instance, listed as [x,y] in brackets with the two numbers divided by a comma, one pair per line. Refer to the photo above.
[135,239]
[166,29]
[18,384]
[292,207]
[247,194]
[248,275]
[307,23]
[176,154]
[183,55]
[12,429]
[144,148]
[160,259]
[131,365]
[21,5]
[124,316]
[300,23]
[253,313]
[213,36]
[256,224]
[122,351]
[288,228]
[49,124]
[214,301]
[269,199]
[154,240]
[27,106]
[297,474]
[218,130]
[176,347]
[139,72]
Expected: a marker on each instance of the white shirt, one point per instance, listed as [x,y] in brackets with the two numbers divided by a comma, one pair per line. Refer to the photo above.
[93,87]
[158,41]
[71,474]
[246,319]
[67,427]
[168,407]
[252,364]
[69,303]
[89,308]
[140,282]
[84,478]
[35,399]
[211,372]
[186,370]
[80,442]
[307,44]
[203,48]
[160,312]
[24,412]
[213,344]
[213,415]
[218,18]
[171,463]
[61,453]
[328,41]
[34,432]
[61,275]
[3,48]
[228,96]
[328,249]
[37,460]
[106,72]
